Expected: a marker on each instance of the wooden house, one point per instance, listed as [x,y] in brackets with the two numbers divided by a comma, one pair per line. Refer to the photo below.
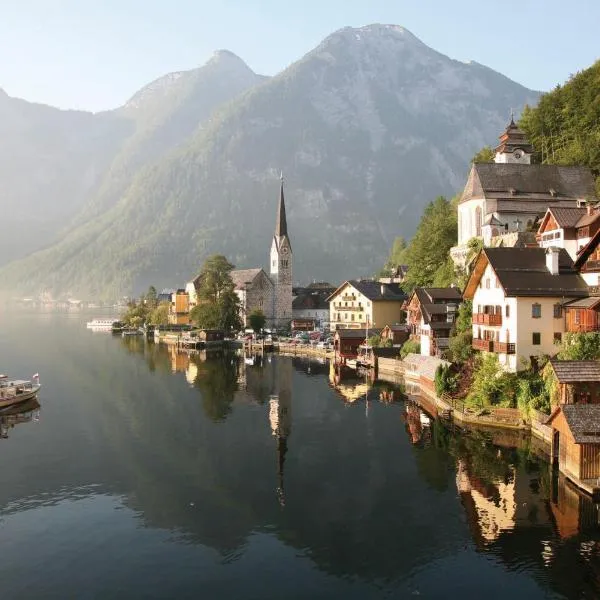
[431,313]
[210,335]
[578,381]
[588,262]
[347,341]
[576,443]
[583,315]
[397,334]
[179,309]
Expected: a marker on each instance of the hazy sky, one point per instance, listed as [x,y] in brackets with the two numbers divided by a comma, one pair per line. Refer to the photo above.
[94,54]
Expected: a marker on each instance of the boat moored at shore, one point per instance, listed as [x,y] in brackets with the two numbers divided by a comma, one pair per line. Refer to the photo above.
[16,391]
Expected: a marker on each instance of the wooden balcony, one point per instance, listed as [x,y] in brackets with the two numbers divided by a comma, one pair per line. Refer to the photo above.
[349,308]
[483,345]
[493,320]
[504,348]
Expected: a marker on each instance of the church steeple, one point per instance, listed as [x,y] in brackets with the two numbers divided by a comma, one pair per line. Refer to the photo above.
[281,223]
[514,146]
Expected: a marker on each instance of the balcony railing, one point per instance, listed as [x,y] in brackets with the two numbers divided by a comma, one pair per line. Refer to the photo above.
[484,345]
[494,320]
[354,308]
[504,348]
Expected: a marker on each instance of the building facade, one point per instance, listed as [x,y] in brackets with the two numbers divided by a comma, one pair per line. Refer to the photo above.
[430,314]
[365,304]
[506,197]
[518,296]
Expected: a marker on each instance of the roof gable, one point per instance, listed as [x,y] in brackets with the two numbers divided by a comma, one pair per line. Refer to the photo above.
[522,272]
[497,180]
[583,421]
[575,371]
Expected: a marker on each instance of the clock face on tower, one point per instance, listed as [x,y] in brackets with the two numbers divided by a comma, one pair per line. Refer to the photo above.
[518,154]
[284,250]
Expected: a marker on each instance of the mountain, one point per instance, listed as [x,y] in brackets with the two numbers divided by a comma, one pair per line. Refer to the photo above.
[367,128]
[50,161]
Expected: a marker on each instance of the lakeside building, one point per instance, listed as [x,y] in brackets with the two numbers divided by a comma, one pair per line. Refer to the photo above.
[179,308]
[365,304]
[502,200]
[396,334]
[518,296]
[568,228]
[588,263]
[430,314]
[310,304]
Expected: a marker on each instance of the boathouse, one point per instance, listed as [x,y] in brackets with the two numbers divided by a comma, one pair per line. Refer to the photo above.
[576,443]
[578,381]
[397,334]
[347,341]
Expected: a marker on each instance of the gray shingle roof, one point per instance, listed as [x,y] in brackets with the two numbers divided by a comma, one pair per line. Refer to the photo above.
[568,217]
[350,334]
[575,371]
[373,290]
[241,277]
[496,180]
[583,421]
[523,272]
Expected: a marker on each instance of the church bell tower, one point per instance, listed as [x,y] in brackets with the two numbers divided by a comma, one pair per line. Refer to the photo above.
[281,267]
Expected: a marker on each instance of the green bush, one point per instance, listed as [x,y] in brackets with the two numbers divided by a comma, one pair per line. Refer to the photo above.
[492,386]
[461,347]
[410,347]
[446,382]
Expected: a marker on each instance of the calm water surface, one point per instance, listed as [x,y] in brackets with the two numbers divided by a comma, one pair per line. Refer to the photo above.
[146,474]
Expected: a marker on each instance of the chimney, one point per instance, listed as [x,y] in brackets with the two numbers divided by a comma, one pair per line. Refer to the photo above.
[552,259]
[589,209]
[382,289]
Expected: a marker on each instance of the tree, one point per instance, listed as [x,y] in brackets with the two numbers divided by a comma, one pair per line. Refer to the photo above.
[219,305]
[152,297]
[214,279]
[160,315]
[257,320]
[429,248]
[485,155]
[580,346]
[206,315]
[491,385]
[446,382]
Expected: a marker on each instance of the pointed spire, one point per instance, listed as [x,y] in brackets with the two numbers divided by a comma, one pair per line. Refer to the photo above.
[281,223]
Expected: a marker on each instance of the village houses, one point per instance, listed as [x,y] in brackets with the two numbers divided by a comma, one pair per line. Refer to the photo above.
[362,304]
[431,313]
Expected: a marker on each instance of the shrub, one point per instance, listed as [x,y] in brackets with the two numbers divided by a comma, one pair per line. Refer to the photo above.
[446,382]
[461,347]
[410,347]
[491,385]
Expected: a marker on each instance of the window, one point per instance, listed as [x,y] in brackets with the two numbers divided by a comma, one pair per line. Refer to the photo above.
[536,338]
[497,282]
[507,310]
[557,311]
[487,283]
[536,310]
[353,316]
[557,337]
[577,317]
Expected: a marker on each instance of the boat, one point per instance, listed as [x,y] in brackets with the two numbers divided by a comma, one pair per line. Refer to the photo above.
[16,391]
[101,324]
[131,331]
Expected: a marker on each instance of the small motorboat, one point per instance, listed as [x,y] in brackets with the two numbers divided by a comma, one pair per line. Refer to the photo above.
[16,391]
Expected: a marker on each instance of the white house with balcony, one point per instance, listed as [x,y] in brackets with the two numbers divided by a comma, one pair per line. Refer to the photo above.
[518,296]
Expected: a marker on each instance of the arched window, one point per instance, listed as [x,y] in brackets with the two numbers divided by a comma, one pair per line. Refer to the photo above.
[478,221]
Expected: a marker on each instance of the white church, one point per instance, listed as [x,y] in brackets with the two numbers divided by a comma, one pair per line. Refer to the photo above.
[503,200]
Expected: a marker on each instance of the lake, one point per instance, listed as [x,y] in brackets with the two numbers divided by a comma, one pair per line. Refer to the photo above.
[145,473]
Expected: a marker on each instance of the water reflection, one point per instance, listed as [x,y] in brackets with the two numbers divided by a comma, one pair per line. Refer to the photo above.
[23,413]
[260,479]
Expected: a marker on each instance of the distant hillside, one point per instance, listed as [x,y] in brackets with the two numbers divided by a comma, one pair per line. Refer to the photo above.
[367,128]
[565,126]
